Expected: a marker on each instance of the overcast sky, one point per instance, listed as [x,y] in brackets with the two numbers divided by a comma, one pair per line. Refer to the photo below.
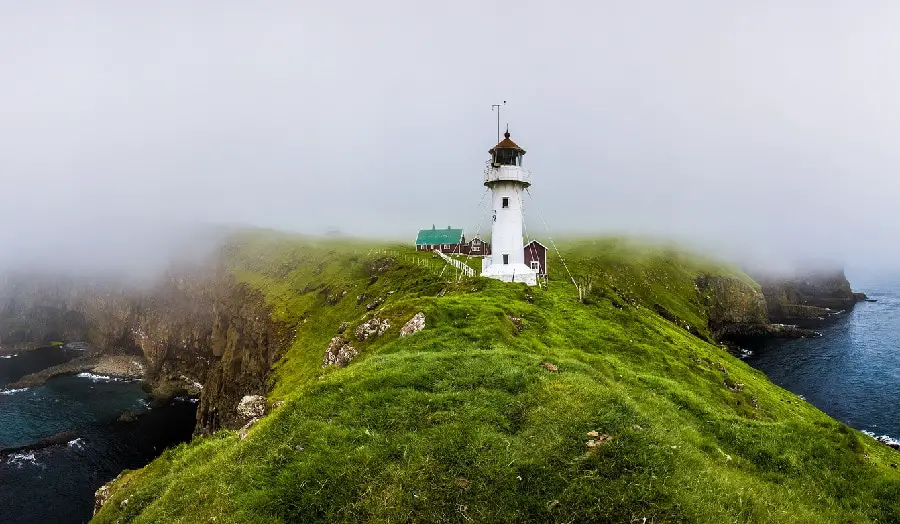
[762,127]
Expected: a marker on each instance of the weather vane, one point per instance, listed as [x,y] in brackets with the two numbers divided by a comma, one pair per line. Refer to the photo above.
[498,106]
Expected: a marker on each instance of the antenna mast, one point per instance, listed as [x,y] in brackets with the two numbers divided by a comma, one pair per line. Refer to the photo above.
[498,106]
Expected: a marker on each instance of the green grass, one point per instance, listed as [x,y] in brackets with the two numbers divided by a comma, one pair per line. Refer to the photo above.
[462,423]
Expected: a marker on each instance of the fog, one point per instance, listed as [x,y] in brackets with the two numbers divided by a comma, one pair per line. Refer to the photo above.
[762,130]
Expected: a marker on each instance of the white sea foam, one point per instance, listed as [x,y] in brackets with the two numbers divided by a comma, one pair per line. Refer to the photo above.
[25,458]
[101,378]
[9,356]
[884,439]
[12,391]
[76,444]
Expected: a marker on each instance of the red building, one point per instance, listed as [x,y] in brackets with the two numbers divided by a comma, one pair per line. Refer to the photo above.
[536,257]
[453,242]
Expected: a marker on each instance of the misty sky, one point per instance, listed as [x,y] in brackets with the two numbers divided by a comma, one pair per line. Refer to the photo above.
[762,127]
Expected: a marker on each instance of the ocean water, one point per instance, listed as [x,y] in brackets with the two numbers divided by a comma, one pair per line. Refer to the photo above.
[853,371]
[57,483]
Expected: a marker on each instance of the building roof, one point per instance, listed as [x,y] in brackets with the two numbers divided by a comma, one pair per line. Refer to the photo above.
[506,143]
[439,236]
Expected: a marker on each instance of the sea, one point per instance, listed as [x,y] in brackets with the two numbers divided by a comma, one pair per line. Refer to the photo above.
[853,371]
[57,483]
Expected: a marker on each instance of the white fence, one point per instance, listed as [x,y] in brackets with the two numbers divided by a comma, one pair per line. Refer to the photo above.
[460,268]
[458,264]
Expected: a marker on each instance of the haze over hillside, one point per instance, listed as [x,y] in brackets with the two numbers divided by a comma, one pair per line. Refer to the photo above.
[765,130]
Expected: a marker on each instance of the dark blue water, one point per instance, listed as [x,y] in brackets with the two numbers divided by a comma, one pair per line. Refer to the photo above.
[17,365]
[853,371]
[57,483]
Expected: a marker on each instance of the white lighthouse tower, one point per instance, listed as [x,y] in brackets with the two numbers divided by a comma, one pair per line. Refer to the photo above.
[507,180]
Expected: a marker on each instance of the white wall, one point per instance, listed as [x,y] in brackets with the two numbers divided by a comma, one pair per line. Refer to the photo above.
[506,231]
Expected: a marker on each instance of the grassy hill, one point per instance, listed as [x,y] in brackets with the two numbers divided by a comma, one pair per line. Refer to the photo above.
[513,404]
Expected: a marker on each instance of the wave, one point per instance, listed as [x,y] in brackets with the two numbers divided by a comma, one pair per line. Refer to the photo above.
[13,391]
[9,356]
[102,378]
[77,444]
[884,439]
[25,458]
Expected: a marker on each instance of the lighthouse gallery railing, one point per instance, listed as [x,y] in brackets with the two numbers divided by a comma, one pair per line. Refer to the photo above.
[494,173]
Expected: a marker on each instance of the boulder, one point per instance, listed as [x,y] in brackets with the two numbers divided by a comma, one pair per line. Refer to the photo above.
[374,304]
[339,352]
[414,325]
[252,406]
[372,328]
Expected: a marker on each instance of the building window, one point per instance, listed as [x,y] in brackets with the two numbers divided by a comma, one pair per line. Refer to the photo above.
[505,202]
[505,259]
[476,249]
[535,265]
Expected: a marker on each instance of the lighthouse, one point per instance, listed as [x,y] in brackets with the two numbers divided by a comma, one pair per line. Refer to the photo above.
[507,181]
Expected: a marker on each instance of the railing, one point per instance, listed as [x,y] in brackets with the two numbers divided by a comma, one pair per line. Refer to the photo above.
[494,173]
[458,264]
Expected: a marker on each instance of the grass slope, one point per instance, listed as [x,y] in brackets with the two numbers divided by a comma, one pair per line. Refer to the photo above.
[461,422]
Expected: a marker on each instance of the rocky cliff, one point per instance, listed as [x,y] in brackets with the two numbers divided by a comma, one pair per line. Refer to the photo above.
[200,332]
[730,302]
[807,298]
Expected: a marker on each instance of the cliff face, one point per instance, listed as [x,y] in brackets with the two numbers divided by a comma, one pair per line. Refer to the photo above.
[807,298]
[199,331]
[731,302]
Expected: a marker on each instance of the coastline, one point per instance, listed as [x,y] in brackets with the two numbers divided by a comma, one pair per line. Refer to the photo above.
[20,348]
[123,367]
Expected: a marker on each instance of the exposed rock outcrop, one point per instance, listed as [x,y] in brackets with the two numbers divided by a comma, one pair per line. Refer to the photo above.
[749,332]
[339,352]
[372,328]
[414,325]
[783,307]
[808,298]
[252,406]
[198,331]
[735,310]
[730,301]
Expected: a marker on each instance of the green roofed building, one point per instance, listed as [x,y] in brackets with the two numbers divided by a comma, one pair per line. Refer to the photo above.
[450,241]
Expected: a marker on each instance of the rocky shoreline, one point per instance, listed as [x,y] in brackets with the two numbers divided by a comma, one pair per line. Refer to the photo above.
[15,349]
[60,439]
[753,332]
[113,366]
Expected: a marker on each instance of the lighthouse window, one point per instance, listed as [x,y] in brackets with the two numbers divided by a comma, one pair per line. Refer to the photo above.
[505,202]
[505,259]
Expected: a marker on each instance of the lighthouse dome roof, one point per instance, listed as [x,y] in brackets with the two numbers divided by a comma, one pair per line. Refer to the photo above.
[506,143]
